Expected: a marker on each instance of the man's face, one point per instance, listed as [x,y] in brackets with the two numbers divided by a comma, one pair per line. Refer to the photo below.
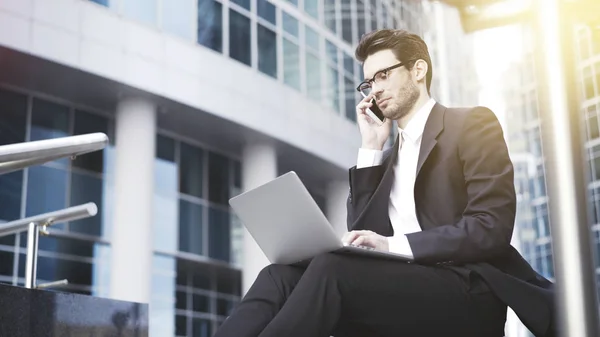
[395,90]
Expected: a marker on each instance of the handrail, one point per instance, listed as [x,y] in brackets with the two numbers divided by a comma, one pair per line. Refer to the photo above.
[38,223]
[14,157]
[68,214]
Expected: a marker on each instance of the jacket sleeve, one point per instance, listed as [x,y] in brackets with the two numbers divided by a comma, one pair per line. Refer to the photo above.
[363,183]
[487,222]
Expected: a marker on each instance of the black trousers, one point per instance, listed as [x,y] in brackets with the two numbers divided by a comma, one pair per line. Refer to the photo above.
[358,296]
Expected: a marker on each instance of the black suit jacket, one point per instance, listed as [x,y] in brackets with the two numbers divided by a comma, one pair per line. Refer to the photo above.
[465,203]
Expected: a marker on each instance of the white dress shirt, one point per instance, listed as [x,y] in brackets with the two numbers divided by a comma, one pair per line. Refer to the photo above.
[402,210]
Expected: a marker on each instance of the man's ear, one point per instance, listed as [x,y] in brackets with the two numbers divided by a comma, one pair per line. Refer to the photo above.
[420,70]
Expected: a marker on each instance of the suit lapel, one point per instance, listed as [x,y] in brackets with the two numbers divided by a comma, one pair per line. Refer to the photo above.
[433,127]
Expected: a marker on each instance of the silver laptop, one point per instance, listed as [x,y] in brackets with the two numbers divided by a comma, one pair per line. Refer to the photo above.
[288,225]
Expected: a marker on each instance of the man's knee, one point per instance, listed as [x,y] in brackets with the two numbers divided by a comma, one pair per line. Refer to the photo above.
[328,263]
[280,274]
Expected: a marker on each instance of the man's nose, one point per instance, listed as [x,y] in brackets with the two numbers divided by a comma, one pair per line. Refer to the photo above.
[376,90]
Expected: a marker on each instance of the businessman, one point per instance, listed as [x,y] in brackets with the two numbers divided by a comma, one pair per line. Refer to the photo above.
[443,194]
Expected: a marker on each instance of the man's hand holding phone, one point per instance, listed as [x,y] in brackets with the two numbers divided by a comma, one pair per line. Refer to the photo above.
[374,128]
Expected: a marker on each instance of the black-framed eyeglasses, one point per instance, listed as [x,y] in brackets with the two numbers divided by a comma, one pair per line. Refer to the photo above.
[365,86]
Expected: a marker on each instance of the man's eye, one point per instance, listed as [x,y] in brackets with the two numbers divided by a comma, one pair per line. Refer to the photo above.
[382,76]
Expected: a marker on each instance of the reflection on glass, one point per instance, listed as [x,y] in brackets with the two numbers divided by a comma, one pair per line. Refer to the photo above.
[266,10]
[290,24]
[237,240]
[291,64]
[140,10]
[86,188]
[210,26]
[267,50]
[101,270]
[90,123]
[165,205]
[46,191]
[313,77]
[176,19]
[48,120]
[191,170]
[311,7]
[190,227]
[219,234]
[239,37]
[162,311]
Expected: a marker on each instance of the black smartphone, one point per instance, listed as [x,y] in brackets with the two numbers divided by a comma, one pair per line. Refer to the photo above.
[375,113]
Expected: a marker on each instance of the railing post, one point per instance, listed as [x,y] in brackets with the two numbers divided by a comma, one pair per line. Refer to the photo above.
[33,234]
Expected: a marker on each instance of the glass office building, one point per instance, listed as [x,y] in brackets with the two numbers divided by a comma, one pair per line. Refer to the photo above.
[524,136]
[201,99]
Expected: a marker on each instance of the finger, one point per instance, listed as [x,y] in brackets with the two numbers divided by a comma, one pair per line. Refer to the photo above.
[358,241]
[349,237]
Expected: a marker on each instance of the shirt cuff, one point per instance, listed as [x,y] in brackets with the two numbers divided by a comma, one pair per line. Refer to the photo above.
[368,158]
[399,245]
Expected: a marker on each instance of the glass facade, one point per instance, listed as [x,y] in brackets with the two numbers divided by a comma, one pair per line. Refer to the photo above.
[533,222]
[197,239]
[297,47]
[196,276]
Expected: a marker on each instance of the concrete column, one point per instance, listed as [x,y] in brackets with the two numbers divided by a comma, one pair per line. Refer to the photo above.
[259,165]
[131,265]
[337,194]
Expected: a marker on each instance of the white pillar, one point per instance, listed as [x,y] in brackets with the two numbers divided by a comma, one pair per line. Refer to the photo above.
[131,265]
[337,194]
[259,165]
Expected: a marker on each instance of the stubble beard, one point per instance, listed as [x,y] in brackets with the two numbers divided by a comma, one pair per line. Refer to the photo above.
[408,97]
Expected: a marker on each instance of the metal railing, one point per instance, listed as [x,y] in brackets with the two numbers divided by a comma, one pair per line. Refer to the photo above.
[16,157]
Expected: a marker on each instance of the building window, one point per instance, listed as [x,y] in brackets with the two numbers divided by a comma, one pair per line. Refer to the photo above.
[191,227]
[311,7]
[166,196]
[266,10]
[291,64]
[245,4]
[219,232]
[313,77]
[330,15]
[290,24]
[347,20]
[140,10]
[218,178]
[267,50]
[176,19]
[210,26]
[239,37]
[13,109]
[360,18]
[191,170]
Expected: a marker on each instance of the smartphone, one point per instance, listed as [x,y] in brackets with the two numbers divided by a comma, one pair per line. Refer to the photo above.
[375,113]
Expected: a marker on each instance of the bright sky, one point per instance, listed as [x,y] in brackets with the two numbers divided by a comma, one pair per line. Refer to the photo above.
[495,50]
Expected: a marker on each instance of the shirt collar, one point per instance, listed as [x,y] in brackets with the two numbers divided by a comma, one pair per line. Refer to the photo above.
[414,128]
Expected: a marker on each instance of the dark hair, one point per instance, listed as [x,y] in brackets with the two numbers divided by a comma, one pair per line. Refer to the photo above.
[405,45]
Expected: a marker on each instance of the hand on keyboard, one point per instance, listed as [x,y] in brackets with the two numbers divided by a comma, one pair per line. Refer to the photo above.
[367,239]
